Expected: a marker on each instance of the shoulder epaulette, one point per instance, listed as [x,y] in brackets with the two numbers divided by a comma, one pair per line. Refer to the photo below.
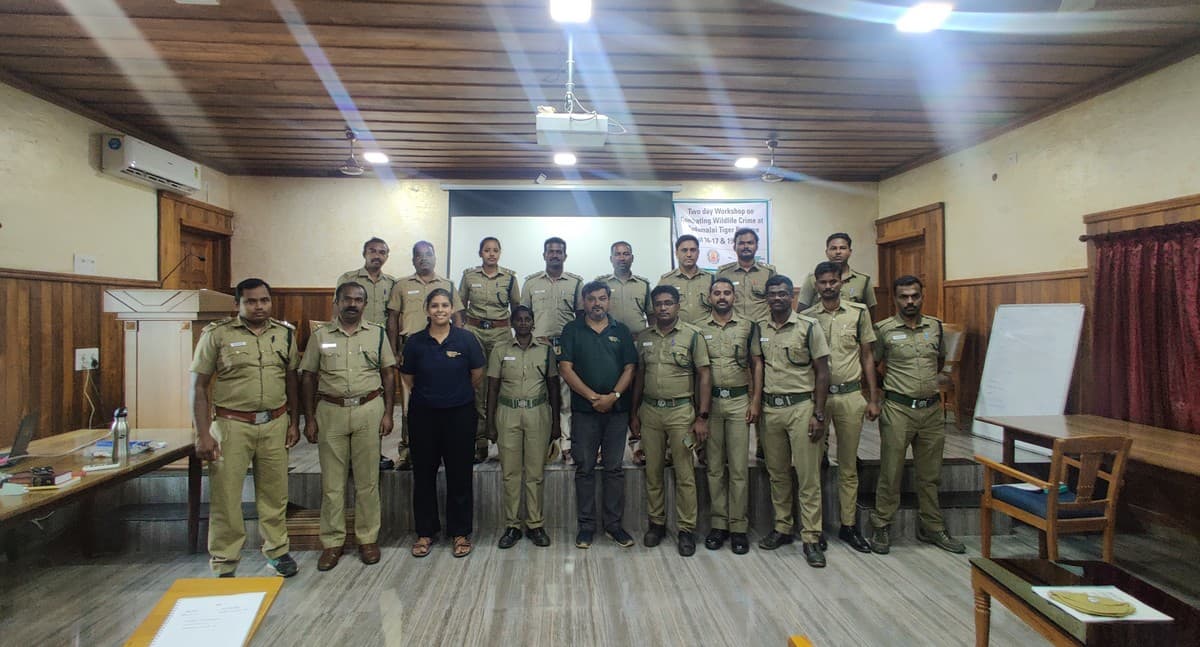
[603,277]
[642,279]
[473,269]
[667,275]
[218,323]
[767,265]
[813,309]
[505,270]
[574,276]
[283,323]
[535,275]
[855,305]
[806,318]
[727,266]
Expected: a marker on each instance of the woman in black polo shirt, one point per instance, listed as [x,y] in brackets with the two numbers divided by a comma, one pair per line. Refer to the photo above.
[442,366]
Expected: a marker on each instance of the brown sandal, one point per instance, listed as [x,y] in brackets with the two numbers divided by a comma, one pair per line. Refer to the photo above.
[462,546]
[421,547]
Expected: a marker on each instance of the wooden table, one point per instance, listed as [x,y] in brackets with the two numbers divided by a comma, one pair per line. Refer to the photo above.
[1174,450]
[1011,582]
[180,444]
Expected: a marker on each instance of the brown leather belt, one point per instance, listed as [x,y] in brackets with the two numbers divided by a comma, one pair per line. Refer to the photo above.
[487,324]
[252,417]
[351,402]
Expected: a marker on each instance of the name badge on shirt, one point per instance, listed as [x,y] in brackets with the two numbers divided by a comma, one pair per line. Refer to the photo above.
[476,285]
[237,344]
[333,345]
[414,292]
[538,291]
[510,359]
[452,353]
[899,336]
[764,339]
[647,343]
[615,340]
[708,336]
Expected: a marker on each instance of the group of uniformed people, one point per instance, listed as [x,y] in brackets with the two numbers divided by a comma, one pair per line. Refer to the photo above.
[685,367]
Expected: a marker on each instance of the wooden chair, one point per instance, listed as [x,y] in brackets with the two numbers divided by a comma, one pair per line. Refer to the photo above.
[953,339]
[1073,510]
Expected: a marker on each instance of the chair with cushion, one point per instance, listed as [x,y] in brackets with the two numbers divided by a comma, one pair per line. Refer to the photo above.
[1081,504]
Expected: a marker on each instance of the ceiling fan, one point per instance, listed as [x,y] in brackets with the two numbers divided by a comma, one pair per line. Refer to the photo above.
[351,166]
[771,174]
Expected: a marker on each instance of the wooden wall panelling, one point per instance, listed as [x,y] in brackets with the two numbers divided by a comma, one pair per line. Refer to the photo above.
[48,316]
[298,306]
[972,303]
[178,213]
[929,222]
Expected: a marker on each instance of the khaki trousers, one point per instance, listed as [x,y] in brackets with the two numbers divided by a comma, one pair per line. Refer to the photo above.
[846,411]
[899,427]
[522,437]
[786,445]
[729,463]
[243,445]
[349,440]
[488,338]
[663,429]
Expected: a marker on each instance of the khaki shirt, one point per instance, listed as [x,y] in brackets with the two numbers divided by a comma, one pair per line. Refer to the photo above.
[522,371]
[630,300]
[670,360]
[489,297]
[911,354]
[378,293]
[749,289]
[729,349]
[856,287]
[846,329]
[693,294]
[788,352]
[408,299]
[250,369]
[348,365]
[553,301]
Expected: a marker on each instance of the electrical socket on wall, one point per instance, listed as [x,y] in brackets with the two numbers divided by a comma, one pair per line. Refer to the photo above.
[87,358]
[85,264]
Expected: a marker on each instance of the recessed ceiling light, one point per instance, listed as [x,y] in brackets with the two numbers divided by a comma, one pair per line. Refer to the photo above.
[375,157]
[746,162]
[571,11]
[924,17]
[564,159]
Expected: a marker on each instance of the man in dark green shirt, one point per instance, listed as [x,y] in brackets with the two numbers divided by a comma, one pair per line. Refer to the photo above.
[597,362]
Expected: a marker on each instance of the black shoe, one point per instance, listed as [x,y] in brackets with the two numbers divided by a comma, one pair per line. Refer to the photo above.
[226,574]
[881,540]
[654,535]
[509,538]
[739,542]
[687,543]
[386,464]
[822,543]
[538,536]
[774,540]
[716,538]
[284,565]
[814,555]
[852,536]
[583,539]
[620,537]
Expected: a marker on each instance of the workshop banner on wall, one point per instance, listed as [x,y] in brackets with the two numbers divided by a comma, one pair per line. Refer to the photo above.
[714,222]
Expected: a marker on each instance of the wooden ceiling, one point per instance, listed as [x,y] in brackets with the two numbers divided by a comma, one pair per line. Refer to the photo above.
[448,89]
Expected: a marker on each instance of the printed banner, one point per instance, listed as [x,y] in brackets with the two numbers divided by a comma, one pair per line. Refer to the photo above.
[714,222]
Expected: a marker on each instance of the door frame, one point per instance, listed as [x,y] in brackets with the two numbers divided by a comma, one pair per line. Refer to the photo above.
[177,213]
[927,222]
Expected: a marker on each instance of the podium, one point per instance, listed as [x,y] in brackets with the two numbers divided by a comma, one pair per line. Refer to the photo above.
[161,329]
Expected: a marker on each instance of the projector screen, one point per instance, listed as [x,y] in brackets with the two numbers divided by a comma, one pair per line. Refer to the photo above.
[588,240]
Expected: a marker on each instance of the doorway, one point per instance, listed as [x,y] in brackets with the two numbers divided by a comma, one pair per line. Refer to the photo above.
[913,243]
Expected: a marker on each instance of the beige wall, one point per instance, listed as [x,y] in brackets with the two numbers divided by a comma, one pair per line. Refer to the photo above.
[1138,143]
[55,202]
[302,232]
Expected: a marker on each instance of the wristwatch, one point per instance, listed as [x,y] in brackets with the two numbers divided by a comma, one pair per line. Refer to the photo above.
[704,415]
[618,394]
[819,416]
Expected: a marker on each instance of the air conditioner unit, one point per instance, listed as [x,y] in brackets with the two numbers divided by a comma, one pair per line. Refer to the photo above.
[134,159]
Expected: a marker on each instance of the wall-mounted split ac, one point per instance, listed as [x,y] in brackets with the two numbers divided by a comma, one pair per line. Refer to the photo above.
[134,159]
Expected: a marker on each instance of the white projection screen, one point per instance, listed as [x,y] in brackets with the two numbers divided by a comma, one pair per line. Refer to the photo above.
[588,236]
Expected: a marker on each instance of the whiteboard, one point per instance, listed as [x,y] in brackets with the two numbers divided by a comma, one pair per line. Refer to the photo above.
[1029,363]
[588,240]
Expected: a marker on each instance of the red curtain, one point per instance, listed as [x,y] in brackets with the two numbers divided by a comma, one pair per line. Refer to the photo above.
[1146,332]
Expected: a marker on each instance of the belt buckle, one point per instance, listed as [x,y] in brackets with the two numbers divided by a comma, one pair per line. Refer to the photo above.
[352,402]
[914,403]
[834,388]
[522,404]
[780,400]
[661,404]
[262,417]
[485,324]
[724,393]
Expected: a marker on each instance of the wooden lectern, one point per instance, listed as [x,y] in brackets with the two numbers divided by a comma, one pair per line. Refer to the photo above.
[161,330]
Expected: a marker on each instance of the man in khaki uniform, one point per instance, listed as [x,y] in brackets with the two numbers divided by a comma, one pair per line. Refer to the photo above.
[406,315]
[852,390]
[673,368]
[737,378]
[370,276]
[555,297]
[795,381]
[254,359]
[630,301]
[749,277]
[691,281]
[523,404]
[856,286]
[909,346]
[347,367]
[488,293]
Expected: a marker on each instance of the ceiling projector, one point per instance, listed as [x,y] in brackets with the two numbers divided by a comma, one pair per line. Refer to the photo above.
[571,131]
